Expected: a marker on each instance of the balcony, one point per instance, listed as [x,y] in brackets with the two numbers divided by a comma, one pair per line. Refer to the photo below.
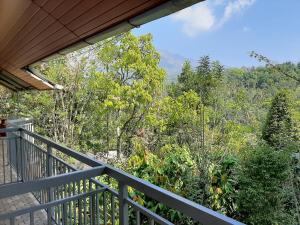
[38,187]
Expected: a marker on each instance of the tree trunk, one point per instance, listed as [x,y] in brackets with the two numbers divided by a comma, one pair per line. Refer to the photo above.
[119,147]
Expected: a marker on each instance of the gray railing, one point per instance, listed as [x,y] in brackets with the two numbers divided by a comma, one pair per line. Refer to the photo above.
[72,196]
[10,154]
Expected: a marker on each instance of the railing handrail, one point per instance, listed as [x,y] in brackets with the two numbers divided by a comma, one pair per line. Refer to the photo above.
[189,208]
[9,129]
[21,120]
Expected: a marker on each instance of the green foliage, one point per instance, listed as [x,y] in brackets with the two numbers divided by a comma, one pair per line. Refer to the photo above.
[171,168]
[186,77]
[185,136]
[223,186]
[173,121]
[129,81]
[203,80]
[263,173]
[279,130]
[208,76]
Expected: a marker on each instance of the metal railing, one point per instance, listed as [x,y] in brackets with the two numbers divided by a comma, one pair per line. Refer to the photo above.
[71,196]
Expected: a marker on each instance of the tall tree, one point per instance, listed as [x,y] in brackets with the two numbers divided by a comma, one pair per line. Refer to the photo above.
[279,130]
[130,65]
[207,79]
[186,77]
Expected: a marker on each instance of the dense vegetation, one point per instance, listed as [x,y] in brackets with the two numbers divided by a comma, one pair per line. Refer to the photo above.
[225,138]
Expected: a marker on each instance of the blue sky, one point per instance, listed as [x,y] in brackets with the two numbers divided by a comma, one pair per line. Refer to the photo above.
[228,29]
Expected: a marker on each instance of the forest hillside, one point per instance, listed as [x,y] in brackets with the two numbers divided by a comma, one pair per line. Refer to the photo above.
[225,138]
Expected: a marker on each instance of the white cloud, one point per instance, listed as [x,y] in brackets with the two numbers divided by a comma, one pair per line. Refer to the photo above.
[195,19]
[246,29]
[234,7]
[202,17]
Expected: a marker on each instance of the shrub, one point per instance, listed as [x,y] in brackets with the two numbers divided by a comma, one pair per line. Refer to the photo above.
[263,173]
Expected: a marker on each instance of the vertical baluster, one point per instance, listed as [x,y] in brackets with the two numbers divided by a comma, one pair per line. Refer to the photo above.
[151,221]
[10,159]
[123,206]
[65,189]
[34,162]
[104,209]
[59,206]
[97,209]
[22,157]
[138,217]
[80,211]
[64,214]
[70,202]
[16,158]
[49,162]
[91,204]
[112,199]
[74,203]
[54,167]
[12,221]
[40,164]
[55,207]
[25,159]
[84,203]
[93,209]
[31,216]
[29,160]
[3,159]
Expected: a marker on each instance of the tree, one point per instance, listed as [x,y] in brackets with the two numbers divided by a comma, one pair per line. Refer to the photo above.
[174,120]
[186,77]
[130,65]
[261,193]
[279,130]
[269,64]
[204,81]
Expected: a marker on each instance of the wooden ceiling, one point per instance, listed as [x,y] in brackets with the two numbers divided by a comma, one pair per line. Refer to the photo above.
[31,30]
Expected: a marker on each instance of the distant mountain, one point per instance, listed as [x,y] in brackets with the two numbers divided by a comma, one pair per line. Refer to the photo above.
[172,63]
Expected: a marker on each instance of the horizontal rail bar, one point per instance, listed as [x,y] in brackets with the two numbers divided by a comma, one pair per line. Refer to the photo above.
[49,204]
[9,129]
[35,185]
[189,208]
[17,122]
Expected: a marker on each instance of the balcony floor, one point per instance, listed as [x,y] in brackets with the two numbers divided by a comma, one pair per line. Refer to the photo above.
[19,201]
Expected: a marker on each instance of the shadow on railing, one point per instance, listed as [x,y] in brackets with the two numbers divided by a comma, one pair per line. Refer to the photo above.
[72,196]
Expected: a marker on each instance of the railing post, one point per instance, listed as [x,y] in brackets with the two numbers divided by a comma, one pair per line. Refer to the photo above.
[22,149]
[49,161]
[123,206]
